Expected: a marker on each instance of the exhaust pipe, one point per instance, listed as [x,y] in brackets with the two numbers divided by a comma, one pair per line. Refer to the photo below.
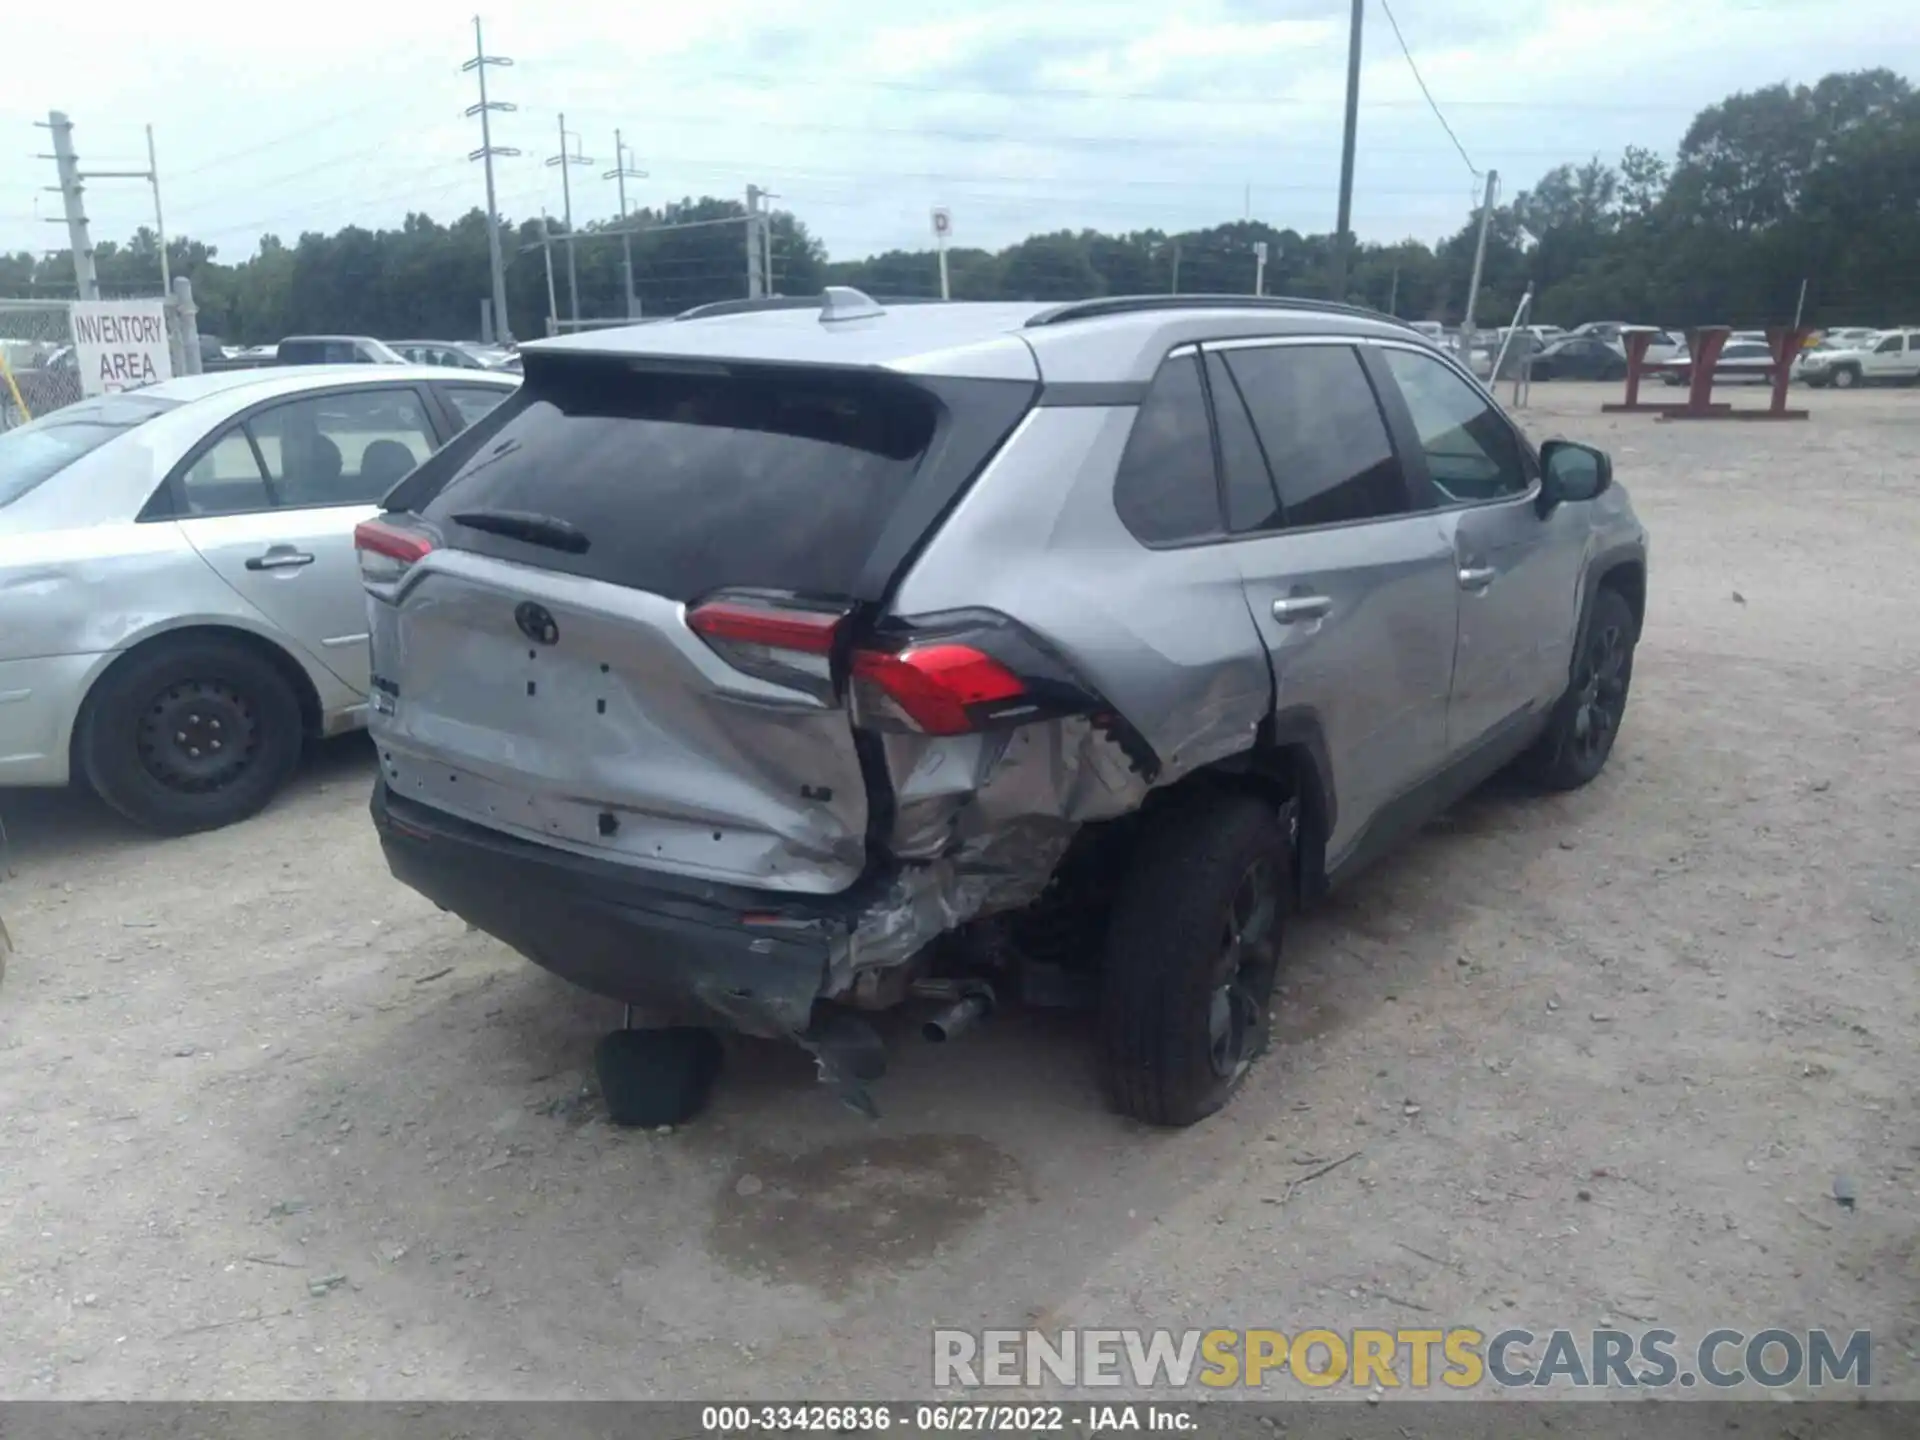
[958,1018]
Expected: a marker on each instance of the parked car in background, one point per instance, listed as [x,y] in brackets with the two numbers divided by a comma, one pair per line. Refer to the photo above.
[1888,357]
[1740,362]
[336,350]
[735,662]
[1579,357]
[1602,329]
[184,605]
[1432,331]
[454,354]
[1844,337]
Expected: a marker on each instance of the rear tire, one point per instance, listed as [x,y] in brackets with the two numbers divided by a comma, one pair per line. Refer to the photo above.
[1579,737]
[190,735]
[1192,950]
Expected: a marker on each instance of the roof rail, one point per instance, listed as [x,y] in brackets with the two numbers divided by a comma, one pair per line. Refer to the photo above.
[799,302]
[1131,304]
[751,306]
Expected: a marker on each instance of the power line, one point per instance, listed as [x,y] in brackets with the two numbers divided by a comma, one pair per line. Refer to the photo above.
[1431,103]
[841,82]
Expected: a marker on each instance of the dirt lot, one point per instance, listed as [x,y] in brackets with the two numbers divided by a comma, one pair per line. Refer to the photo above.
[272,1126]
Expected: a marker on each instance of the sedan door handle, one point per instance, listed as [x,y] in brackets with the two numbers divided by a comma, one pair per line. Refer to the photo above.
[1476,577]
[279,559]
[1289,608]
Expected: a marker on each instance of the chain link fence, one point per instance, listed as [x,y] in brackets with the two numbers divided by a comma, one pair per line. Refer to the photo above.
[39,365]
[36,347]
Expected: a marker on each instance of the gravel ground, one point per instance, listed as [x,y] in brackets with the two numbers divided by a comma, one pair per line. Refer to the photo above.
[271,1126]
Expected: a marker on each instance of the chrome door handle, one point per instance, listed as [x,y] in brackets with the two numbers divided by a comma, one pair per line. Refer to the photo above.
[1289,608]
[1476,577]
[278,559]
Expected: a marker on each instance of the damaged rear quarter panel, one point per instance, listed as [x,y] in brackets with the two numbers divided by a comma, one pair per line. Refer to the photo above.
[1164,636]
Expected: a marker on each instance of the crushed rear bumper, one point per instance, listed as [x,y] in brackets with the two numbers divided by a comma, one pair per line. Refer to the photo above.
[688,952]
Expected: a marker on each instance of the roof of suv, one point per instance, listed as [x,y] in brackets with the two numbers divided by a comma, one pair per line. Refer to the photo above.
[1106,341]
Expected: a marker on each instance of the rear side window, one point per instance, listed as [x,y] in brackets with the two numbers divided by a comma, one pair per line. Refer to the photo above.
[1165,489]
[1320,425]
[683,484]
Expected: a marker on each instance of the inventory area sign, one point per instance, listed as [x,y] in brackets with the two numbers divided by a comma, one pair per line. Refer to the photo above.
[120,344]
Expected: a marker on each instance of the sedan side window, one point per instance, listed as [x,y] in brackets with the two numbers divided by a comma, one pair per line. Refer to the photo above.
[1321,428]
[1165,489]
[470,402]
[347,449]
[226,479]
[1472,453]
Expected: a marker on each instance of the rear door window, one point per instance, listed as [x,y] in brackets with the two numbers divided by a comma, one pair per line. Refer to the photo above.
[343,449]
[1321,427]
[471,402]
[686,483]
[226,479]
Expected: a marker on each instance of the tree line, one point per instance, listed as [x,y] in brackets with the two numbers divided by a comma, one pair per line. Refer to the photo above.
[1767,188]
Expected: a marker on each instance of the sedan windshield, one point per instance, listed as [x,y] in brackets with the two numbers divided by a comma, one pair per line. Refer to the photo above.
[36,451]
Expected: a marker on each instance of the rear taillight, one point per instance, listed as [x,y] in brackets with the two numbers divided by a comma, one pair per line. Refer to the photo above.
[787,644]
[388,549]
[940,689]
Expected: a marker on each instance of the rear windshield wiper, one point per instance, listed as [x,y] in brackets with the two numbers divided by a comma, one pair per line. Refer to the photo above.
[534,529]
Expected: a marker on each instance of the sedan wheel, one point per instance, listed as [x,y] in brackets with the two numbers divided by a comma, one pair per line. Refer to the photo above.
[192,734]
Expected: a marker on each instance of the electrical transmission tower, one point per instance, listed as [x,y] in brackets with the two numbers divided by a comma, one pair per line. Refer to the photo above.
[566,160]
[502,330]
[623,172]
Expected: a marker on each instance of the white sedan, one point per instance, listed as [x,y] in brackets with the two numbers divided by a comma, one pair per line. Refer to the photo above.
[181,596]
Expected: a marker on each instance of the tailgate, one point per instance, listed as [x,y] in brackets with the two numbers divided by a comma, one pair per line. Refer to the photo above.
[588,715]
[535,667]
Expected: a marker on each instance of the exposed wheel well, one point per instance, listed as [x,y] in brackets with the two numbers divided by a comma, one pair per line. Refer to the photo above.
[1629,581]
[289,668]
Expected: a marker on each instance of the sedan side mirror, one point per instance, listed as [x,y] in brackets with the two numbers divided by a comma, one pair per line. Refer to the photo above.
[1572,472]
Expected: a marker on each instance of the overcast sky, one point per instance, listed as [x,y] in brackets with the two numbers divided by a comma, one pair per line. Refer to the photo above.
[1020,117]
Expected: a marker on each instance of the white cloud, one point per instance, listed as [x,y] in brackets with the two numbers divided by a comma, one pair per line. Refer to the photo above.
[1020,116]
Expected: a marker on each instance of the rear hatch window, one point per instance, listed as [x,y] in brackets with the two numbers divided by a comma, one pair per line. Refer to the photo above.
[683,483]
[37,451]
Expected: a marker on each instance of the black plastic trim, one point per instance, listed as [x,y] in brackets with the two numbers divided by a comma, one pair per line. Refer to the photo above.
[1136,304]
[1093,393]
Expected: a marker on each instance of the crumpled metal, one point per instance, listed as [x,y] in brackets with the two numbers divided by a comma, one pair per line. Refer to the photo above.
[980,823]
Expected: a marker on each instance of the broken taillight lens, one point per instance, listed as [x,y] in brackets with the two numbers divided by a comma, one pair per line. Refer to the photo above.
[388,549]
[787,644]
[941,689]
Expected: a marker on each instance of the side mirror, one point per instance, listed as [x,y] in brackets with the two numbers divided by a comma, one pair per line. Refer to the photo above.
[1572,472]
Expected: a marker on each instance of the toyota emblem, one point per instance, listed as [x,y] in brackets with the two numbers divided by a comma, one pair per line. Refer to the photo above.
[536,622]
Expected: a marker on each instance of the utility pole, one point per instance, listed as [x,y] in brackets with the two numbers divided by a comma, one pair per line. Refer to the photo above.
[766,242]
[85,281]
[566,159]
[73,189]
[1479,259]
[1174,288]
[546,250]
[160,220]
[1393,294]
[1259,267]
[503,331]
[1345,221]
[620,173]
[754,292]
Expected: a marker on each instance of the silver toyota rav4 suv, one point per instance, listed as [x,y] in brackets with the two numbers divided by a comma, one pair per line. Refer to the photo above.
[791,661]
